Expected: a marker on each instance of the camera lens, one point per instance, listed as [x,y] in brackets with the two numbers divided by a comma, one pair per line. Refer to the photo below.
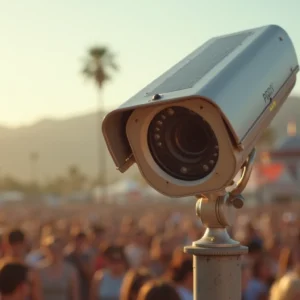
[183,144]
[189,137]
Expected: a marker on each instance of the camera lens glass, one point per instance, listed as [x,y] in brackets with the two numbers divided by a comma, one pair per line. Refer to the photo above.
[183,144]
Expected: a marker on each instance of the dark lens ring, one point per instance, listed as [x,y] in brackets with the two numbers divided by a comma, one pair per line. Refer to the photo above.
[178,160]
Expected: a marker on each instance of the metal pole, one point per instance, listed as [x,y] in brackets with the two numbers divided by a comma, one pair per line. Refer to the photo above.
[217,257]
[227,284]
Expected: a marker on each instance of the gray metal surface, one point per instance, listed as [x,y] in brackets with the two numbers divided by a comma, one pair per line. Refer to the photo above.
[201,63]
[234,72]
[217,278]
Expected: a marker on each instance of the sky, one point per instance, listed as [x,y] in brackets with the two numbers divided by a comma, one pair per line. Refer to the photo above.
[43,43]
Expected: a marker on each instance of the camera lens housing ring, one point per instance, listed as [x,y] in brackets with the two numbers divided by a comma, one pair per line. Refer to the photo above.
[182,143]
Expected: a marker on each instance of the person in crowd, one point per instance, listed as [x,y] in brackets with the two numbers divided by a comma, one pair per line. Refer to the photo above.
[97,242]
[16,249]
[252,235]
[14,281]
[182,276]
[35,253]
[258,285]
[179,255]
[255,251]
[59,279]
[126,229]
[133,281]
[1,245]
[106,284]
[158,290]
[246,276]
[99,261]
[96,237]
[161,253]
[287,287]
[274,248]
[34,257]
[136,251]
[82,261]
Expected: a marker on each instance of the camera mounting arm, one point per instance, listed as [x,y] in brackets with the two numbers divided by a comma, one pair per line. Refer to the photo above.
[246,172]
[216,252]
[216,210]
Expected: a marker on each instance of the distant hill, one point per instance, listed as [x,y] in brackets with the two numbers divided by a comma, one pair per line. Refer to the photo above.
[61,143]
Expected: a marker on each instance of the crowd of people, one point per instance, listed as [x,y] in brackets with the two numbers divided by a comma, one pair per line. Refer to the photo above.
[135,252]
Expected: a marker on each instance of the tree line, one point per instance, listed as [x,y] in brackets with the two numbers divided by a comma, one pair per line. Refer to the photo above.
[72,180]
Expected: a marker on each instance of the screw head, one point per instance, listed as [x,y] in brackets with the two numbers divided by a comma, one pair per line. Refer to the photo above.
[170,111]
[183,170]
[205,167]
[156,97]
[238,201]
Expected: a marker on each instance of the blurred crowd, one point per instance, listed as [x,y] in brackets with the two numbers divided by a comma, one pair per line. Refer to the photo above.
[135,251]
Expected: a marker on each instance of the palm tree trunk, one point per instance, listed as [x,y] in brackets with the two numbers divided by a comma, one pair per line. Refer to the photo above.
[102,167]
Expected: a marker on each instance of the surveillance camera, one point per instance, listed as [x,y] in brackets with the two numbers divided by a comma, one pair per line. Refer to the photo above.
[191,130]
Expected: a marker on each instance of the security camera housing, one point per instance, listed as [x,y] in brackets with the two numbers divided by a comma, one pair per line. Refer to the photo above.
[236,82]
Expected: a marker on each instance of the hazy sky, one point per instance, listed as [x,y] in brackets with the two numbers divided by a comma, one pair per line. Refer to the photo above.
[42,43]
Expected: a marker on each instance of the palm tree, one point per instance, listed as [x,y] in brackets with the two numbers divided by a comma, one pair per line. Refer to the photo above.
[76,178]
[98,66]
